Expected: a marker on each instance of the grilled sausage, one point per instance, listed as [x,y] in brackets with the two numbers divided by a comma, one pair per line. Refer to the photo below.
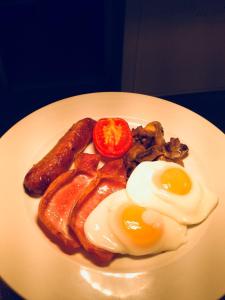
[59,159]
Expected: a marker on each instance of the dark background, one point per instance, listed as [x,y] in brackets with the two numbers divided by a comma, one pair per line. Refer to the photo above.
[55,49]
[50,50]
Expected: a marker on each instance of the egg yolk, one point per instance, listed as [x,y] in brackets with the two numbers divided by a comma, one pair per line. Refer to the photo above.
[176,181]
[140,233]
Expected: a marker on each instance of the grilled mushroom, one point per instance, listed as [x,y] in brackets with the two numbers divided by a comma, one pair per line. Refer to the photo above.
[149,145]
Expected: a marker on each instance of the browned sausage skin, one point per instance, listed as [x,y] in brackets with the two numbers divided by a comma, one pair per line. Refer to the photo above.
[59,159]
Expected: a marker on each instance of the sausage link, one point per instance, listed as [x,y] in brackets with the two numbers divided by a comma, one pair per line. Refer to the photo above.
[60,158]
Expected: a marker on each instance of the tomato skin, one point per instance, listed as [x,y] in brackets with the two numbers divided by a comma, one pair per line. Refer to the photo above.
[112,137]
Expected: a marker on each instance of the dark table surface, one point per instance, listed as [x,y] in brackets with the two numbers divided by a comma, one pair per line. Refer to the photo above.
[209,105]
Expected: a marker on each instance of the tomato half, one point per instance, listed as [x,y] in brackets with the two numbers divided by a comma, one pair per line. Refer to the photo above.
[112,137]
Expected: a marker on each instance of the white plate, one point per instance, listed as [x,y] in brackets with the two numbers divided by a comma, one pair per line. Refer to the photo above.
[37,269]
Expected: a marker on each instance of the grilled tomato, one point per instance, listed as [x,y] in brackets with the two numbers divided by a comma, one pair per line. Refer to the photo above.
[112,137]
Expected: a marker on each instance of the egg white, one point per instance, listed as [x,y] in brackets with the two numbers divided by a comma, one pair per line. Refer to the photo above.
[191,208]
[97,229]
[102,228]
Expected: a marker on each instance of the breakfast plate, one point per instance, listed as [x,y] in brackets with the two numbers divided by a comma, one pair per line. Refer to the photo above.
[37,269]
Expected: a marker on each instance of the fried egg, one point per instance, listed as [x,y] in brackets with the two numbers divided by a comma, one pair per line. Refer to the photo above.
[171,190]
[121,226]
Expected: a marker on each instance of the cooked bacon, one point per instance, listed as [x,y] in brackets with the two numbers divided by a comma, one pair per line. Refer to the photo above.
[110,178]
[61,196]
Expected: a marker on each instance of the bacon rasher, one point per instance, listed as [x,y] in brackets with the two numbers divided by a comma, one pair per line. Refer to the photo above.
[60,198]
